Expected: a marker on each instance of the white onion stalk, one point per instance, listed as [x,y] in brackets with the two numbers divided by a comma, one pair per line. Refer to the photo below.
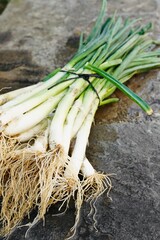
[31,133]
[74,164]
[88,99]
[41,142]
[87,168]
[12,94]
[57,124]
[18,110]
[33,117]
[69,123]
[40,87]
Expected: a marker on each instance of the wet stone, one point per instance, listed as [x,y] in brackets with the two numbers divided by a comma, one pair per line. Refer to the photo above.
[38,36]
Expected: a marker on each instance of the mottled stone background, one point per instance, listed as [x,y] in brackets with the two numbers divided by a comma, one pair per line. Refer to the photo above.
[37,36]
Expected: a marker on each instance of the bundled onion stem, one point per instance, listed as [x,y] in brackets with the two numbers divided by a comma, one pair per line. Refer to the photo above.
[45,127]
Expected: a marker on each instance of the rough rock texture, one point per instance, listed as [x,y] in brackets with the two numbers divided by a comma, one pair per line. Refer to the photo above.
[37,36]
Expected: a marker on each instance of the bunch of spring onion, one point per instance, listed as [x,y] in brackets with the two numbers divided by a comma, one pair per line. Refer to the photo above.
[45,127]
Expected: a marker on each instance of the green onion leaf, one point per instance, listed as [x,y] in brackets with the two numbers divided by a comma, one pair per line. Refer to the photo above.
[123,88]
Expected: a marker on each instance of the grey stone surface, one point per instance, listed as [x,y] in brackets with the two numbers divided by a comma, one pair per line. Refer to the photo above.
[37,36]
